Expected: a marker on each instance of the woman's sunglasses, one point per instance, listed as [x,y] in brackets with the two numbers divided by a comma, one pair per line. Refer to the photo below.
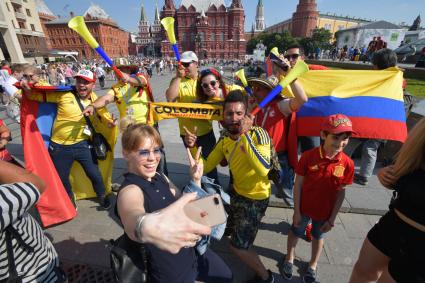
[186,64]
[144,154]
[212,83]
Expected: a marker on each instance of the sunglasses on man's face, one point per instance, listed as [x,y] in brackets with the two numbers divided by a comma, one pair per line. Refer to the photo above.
[292,56]
[29,76]
[212,83]
[186,64]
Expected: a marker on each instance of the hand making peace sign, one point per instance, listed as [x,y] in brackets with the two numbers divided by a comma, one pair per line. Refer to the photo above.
[196,166]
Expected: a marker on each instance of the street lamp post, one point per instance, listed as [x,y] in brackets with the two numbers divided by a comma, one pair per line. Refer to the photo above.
[198,40]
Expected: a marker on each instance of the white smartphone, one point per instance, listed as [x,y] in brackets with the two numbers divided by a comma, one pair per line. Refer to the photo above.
[207,211]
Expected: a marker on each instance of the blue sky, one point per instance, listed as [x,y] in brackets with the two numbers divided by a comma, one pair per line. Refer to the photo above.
[127,12]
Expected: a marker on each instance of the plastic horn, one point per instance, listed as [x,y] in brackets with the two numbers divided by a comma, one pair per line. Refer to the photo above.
[79,26]
[241,75]
[275,51]
[168,24]
[300,68]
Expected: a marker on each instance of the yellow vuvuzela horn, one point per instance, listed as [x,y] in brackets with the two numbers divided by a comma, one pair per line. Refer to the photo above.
[241,75]
[79,26]
[168,24]
[275,51]
[300,68]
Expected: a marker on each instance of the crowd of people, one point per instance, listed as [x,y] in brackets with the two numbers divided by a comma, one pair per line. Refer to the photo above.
[151,209]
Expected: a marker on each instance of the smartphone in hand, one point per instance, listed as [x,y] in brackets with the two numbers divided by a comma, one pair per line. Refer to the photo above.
[207,211]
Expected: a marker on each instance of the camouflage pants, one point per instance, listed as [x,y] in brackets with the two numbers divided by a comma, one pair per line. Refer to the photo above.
[245,218]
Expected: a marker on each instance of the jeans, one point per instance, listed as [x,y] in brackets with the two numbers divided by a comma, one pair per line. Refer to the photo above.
[369,154]
[64,155]
[315,230]
[207,142]
[287,176]
[307,143]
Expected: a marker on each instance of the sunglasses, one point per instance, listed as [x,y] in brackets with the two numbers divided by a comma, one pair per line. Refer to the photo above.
[29,76]
[145,154]
[184,64]
[292,56]
[212,83]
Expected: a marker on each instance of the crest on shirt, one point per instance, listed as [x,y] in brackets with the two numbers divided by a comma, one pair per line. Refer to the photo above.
[338,171]
[314,167]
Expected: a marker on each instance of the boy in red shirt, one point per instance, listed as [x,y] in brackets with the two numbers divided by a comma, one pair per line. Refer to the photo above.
[319,190]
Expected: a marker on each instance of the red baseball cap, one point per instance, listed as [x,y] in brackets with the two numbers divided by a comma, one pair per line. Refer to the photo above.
[87,75]
[337,123]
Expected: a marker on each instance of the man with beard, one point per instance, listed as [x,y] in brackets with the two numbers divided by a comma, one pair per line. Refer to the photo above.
[247,151]
[70,134]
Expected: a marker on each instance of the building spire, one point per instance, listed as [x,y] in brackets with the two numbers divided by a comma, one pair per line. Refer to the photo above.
[157,18]
[259,17]
[142,14]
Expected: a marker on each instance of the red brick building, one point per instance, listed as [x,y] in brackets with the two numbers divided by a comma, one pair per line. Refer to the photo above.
[113,39]
[207,27]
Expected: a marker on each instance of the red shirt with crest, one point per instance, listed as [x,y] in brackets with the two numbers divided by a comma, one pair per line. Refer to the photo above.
[323,178]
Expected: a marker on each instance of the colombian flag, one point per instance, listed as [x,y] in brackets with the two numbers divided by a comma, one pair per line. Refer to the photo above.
[54,205]
[372,99]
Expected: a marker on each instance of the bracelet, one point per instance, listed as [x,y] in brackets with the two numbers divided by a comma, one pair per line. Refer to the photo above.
[138,228]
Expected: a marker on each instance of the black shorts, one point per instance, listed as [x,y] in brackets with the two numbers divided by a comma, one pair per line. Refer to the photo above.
[403,244]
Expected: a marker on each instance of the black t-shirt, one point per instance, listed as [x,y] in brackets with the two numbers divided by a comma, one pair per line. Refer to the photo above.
[410,198]
[163,266]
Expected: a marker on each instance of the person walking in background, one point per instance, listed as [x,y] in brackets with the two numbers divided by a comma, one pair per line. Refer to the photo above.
[100,74]
[394,248]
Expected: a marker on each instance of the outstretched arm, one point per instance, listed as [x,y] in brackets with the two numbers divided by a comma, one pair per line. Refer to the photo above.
[168,229]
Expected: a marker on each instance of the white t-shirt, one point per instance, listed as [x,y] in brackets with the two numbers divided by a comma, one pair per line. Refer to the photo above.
[9,88]
[99,72]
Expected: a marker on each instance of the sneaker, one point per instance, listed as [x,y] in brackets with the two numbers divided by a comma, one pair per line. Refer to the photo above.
[310,276]
[105,202]
[308,236]
[359,179]
[285,270]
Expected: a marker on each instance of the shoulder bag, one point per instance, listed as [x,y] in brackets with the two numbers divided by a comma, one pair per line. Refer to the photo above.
[99,144]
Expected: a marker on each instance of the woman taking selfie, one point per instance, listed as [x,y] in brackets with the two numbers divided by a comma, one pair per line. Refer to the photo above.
[151,213]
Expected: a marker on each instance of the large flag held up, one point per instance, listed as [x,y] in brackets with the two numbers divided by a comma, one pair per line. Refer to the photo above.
[372,99]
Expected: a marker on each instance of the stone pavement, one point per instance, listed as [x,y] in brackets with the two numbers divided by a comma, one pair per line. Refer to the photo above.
[85,239]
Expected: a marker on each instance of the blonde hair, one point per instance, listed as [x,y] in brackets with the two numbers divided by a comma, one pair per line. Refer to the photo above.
[136,134]
[412,154]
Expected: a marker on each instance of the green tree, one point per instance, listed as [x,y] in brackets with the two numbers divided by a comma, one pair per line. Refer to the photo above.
[320,38]
[279,40]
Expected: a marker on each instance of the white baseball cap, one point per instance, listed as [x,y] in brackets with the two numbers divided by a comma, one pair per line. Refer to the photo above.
[188,57]
[87,75]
